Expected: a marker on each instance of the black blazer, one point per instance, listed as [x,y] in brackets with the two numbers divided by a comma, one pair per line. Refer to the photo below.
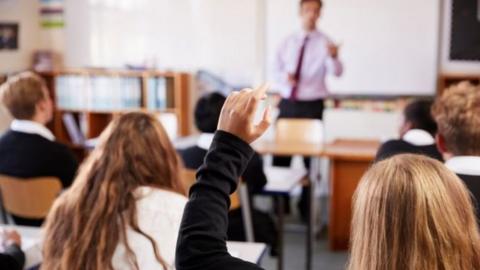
[12,258]
[26,155]
[395,147]
[473,184]
[253,176]
[29,155]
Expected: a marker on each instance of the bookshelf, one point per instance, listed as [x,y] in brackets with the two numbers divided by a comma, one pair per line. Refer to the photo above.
[446,80]
[94,97]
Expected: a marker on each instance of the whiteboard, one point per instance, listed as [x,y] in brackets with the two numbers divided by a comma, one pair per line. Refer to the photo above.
[389,47]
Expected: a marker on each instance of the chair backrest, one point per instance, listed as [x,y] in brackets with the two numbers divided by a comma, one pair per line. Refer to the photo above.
[299,130]
[189,178]
[29,198]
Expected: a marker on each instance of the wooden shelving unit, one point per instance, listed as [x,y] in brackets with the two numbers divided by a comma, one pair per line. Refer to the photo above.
[446,80]
[96,119]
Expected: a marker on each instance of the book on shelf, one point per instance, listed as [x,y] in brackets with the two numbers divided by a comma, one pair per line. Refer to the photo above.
[159,95]
[77,92]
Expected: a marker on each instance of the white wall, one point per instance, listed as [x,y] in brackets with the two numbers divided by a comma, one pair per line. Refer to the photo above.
[26,13]
[174,34]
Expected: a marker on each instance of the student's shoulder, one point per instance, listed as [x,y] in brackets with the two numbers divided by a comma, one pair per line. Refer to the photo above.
[392,147]
[160,196]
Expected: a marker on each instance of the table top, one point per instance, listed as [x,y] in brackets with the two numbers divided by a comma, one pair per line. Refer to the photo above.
[338,149]
[361,150]
[32,245]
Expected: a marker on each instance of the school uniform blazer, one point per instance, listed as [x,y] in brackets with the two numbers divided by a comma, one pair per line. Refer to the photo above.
[396,147]
[27,155]
[12,258]
[415,141]
[203,232]
[467,168]
[159,213]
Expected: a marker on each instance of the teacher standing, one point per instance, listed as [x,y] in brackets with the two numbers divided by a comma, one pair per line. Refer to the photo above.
[301,65]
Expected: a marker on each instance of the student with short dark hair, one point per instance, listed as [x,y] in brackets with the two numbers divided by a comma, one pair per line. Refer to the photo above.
[28,149]
[203,233]
[207,113]
[417,133]
[457,113]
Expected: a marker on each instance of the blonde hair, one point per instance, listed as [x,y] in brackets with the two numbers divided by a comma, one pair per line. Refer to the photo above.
[21,93]
[457,113]
[411,212]
[90,219]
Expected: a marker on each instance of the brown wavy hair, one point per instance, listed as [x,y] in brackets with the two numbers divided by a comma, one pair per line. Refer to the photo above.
[89,220]
[411,212]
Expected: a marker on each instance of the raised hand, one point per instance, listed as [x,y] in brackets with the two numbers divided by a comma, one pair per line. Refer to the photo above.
[238,113]
[10,237]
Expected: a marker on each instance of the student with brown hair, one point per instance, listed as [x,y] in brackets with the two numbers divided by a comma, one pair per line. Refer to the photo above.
[125,206]
[28,149]
[457,113]
[411,212]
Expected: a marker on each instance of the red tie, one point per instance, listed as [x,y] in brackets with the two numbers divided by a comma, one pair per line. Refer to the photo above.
[298,70]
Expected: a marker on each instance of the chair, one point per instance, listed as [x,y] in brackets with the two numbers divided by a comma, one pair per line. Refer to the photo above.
[29,198]
[239,198]
[299,131]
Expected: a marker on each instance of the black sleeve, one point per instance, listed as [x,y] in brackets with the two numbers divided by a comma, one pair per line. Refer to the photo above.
[13,258]
[203,232]
[67,165]
[254,175]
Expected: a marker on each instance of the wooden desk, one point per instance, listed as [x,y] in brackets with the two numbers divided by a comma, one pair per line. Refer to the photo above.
[349,160]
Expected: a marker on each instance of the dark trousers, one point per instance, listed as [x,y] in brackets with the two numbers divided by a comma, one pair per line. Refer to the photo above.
[299,109]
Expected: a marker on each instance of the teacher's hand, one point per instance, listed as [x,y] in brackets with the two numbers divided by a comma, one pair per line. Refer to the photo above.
[238,113]
[333,50]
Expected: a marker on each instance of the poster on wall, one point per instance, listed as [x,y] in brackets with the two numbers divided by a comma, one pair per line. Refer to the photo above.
[465,33]
[8,36]
[52,14]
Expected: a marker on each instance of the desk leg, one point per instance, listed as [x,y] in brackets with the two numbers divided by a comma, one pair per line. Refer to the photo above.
[345,176]
[311,224]
[280,209]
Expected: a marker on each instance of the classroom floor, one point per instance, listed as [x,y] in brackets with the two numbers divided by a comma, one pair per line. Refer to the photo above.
[294,259]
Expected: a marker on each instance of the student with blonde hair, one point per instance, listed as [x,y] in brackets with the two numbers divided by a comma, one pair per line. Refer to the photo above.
[125,206]
[411,212]
[29,149]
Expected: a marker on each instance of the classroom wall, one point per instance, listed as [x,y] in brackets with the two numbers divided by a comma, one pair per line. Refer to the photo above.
[218,35]
[25,12]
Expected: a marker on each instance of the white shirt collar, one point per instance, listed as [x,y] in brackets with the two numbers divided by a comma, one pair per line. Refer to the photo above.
[467,165]
[32,127]
[418,137]
[205,140]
